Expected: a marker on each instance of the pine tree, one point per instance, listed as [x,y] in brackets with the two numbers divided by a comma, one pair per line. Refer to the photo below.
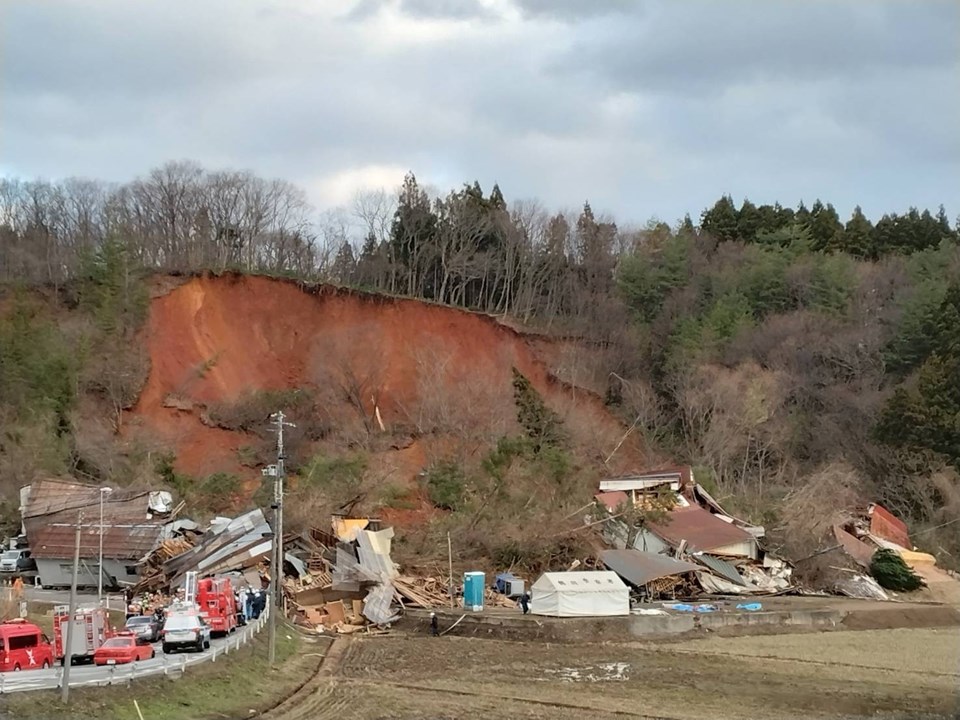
[542,425]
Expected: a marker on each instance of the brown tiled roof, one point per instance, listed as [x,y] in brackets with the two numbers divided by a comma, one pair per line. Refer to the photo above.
[130,530]
[701,529]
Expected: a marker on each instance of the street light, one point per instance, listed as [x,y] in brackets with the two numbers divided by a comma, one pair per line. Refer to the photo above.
[103,491]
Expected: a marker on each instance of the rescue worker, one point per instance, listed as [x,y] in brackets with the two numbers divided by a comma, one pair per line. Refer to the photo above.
[525,603]
[18,588]
[434,625]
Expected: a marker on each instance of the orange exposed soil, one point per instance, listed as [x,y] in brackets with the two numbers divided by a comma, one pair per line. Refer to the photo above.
[214,339]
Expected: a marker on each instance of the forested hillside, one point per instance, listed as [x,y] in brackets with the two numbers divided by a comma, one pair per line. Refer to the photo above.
[801,361]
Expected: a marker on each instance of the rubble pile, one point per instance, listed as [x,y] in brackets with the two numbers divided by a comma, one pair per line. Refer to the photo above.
[714,552]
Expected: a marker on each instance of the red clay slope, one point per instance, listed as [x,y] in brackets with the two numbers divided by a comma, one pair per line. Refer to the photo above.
[213,339]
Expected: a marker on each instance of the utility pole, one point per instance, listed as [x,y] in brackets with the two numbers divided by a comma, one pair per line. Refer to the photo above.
[68,647]
[103,491]
[277,562]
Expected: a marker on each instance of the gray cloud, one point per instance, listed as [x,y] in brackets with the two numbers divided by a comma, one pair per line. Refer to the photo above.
[643,108]
[576,9]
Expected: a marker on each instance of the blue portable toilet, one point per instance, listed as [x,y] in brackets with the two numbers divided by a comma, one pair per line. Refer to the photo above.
[473,587]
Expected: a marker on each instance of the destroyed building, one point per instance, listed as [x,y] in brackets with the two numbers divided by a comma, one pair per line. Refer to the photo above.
[132,526]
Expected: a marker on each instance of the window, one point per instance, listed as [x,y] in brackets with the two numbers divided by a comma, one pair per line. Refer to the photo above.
[130,569]
[182,622]
[19,642]
[11,555]
[117,642]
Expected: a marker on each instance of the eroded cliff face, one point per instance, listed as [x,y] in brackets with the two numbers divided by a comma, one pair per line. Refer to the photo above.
[434,374]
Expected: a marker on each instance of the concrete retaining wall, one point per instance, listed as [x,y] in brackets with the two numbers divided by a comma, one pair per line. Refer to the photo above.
[676,625]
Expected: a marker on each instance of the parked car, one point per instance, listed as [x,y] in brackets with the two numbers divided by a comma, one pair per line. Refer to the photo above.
[144,626]
[185,630]
[17,561]
[123,648]
[23,646]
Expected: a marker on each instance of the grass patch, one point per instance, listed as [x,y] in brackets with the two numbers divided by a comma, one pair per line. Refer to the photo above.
[230,687]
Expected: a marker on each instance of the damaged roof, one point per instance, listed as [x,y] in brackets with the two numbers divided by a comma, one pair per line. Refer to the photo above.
[130,528]
[888,526]
[612,500]
[701,529]
[674,476]
[639,568]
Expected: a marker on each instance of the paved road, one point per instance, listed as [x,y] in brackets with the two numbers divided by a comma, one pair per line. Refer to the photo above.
[80,675]
[62,597]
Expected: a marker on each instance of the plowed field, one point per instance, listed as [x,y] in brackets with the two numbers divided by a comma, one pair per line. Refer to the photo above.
[893,673]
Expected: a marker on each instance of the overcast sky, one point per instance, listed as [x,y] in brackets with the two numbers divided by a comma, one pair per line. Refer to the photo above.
[644,108]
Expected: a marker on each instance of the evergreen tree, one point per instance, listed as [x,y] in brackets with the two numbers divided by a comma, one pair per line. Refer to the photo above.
[542,425]
[749,222]
[825,226]
[413,238]
[344,265]
[856,237]
[720,221]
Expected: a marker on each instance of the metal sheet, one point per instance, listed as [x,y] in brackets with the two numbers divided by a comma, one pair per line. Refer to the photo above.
[721,567]
[639,568]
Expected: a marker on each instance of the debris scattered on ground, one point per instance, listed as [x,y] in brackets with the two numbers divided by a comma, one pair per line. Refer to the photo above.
[604,672]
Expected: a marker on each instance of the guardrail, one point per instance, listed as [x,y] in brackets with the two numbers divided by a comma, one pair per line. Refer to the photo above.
[163,664]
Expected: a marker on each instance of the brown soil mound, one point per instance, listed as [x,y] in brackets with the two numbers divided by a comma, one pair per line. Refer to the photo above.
[430,370]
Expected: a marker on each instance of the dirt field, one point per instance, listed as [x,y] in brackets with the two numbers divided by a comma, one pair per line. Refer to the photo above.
[890,673]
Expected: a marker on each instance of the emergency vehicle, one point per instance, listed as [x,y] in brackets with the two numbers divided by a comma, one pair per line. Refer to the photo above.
[91,627]
[217,604]
[23,646]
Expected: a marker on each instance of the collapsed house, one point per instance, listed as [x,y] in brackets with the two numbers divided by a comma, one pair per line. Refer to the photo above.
[720,554]
[132,526]
[876,528]
[238,545]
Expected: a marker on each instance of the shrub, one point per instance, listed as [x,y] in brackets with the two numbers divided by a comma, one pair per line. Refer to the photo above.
[446,485]
[890,570]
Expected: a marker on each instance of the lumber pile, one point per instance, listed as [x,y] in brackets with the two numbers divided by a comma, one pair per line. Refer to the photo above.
[422,592]
[152,575]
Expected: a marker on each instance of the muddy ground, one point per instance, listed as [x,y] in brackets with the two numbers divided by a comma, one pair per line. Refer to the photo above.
[890,673]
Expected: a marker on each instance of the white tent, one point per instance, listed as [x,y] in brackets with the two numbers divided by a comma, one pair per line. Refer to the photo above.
[580,594]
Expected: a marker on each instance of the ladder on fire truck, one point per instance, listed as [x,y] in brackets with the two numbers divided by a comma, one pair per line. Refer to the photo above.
[190,587]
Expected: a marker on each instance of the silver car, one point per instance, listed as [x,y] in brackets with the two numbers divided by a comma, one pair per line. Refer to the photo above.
[185,631]
[145,627]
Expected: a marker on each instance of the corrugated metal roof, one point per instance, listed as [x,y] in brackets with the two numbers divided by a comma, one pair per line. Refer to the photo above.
[130,530]
[702,530]
[639,568]
[721,567]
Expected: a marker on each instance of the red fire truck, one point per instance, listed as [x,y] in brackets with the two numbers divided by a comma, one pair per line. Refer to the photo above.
[91,627]
[217,604]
